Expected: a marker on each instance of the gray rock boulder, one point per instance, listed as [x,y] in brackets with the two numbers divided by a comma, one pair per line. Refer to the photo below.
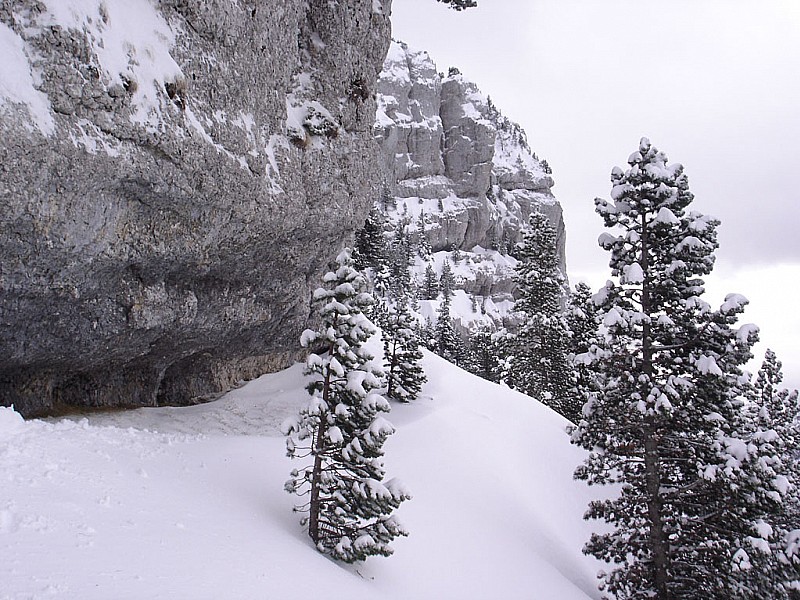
[172,186]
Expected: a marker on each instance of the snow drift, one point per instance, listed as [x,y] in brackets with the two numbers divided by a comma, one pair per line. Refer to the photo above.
[189,502]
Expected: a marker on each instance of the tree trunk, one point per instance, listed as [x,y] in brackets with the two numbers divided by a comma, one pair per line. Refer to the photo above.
[318,448]
[652,460]
[658,540]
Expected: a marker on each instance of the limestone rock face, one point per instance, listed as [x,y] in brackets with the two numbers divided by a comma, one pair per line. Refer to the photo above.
[174,177]
[456,164]
[408,123]
[469,144]
[442,139]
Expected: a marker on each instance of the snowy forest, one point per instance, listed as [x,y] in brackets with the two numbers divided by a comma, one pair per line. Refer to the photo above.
[702,456]
[326,341]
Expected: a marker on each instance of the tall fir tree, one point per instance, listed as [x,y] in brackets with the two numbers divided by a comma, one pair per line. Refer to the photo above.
[423,245]
[404,374]
[448,343]
[539,361]
[582,323]
[400,258]
[427,334]
[691,519]
[342,430]
[581,319]
[388,201]
[370,249]
[430,284]
[447,281]
[485,355]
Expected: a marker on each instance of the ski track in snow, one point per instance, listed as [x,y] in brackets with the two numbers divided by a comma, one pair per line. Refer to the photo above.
[189,502]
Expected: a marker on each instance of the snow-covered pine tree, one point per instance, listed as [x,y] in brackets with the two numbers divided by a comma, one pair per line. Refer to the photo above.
[447,281]
[400,260]
[427,334]
[691,519]
[775,411]
[539,362]
[582,323]
[370,245]
[342,430]
[387,200]
[581,319]
[423,245]
[430,285]
[402,356]
[448,343]
[460,4]
[486,355]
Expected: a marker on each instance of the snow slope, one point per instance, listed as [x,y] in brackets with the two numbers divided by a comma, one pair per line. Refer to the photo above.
[188,502]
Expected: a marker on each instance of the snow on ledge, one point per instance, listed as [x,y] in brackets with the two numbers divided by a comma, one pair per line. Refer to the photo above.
[131,40]
[17,83]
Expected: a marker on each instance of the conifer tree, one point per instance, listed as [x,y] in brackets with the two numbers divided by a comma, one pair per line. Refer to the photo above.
[423,245]
[427,335]
[486,356]
[400,261]
[775,412]
[447,281]
[430,285]
[448,343]
[691,519]
[460,4]
[539,362]
[582,323]
[581,319]
[388,202]
[404,373]
[342,430]
[370,246]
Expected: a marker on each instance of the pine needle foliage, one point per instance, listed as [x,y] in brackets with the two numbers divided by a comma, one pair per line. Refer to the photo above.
[460,4]
[404,374]
[775,414]
[667,424]
[539,363]
[342,430]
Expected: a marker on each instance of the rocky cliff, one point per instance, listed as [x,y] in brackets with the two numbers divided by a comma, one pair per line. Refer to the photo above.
[451,156]
[174,175]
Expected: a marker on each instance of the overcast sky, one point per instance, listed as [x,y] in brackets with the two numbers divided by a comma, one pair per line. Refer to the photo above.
[713,83]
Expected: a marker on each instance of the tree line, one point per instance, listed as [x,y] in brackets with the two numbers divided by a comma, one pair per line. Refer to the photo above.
[703,457]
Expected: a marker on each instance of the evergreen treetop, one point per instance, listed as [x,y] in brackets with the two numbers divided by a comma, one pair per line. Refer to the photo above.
[447,281]
[459,4]
[404,374]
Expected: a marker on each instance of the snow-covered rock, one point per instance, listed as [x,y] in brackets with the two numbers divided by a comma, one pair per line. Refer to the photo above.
[449,153]
[174,176]
[442,139]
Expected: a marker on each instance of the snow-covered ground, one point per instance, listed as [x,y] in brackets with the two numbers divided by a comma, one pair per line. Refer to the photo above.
[189,502]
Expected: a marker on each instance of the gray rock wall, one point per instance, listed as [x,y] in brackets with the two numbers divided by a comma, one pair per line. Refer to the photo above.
[441,138]
[165,215]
